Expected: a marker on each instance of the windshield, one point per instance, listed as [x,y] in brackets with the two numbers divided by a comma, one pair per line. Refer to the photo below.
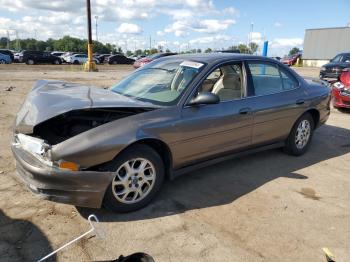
[160,83]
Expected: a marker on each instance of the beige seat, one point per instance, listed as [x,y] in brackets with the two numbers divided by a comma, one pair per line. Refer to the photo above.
[228,87]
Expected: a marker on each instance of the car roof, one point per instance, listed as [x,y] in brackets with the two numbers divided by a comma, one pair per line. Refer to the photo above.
[218,57]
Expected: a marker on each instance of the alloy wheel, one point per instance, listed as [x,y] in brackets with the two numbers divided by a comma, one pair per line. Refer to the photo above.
[302,135]
[134,180]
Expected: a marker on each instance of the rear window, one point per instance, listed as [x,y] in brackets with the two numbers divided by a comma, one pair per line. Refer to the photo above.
[269,79]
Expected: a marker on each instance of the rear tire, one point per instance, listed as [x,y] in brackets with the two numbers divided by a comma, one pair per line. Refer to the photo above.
[76,62]
[300,136]
[2,61]
[139,175]
[114,62]
[56,62]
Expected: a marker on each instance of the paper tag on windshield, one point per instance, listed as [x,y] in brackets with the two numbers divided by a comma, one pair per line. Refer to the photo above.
[192,64]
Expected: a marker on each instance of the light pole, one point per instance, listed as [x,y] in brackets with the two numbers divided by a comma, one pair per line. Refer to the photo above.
[96,18]
[90,64]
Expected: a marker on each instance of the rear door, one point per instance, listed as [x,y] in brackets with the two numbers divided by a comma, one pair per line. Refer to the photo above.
[211,130]
[277,101]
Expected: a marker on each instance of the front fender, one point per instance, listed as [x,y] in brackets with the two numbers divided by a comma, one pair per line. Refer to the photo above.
[103,143]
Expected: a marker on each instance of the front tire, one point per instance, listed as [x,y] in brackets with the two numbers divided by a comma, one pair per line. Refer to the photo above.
[139,175]
[300,136]
[2,61]
[30,62]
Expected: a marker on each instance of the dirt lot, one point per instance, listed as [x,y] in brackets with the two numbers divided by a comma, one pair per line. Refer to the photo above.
[264,207]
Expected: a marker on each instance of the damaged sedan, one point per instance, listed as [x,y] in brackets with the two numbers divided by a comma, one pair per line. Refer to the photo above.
[115,147]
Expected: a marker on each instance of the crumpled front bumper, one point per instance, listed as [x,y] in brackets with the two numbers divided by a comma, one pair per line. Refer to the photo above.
[80,188]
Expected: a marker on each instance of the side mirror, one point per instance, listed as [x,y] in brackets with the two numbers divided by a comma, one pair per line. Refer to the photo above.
[205,98]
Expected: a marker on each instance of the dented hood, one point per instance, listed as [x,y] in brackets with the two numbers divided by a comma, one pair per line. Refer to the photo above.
[49,98]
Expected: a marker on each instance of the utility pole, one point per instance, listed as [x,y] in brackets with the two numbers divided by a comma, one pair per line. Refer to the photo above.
[96,18]
[251,33]
[150,43]
[18,43]
[8,40]
[90,64]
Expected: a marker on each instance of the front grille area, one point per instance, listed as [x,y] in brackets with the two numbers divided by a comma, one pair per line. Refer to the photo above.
[345,93]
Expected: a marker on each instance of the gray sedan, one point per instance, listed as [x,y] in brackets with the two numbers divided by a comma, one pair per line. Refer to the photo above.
[115,147]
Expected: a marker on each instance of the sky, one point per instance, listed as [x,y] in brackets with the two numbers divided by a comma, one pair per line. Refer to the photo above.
[178,25]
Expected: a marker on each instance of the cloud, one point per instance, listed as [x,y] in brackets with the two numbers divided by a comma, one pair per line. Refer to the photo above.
[277,24]
[209,26]
[209,39]
[230,10]
[56,18]
[286,42]
[212,25]
[256,37]
[128,28]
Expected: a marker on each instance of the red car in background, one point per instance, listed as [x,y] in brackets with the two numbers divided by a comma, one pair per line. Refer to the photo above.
[341,91]
[141,62]
[291,60]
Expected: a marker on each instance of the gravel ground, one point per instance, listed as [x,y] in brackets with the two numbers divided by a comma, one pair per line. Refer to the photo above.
[265,207]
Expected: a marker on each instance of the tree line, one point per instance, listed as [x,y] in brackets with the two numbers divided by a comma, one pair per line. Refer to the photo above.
[65,44]
[73,44]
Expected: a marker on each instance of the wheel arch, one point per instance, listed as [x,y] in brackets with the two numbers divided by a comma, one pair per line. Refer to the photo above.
[315,116]
[161,148]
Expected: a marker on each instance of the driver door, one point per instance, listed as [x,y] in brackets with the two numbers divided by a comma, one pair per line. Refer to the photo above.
[211,130]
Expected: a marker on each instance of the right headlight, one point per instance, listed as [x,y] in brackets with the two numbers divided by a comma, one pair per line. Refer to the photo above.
[338,85]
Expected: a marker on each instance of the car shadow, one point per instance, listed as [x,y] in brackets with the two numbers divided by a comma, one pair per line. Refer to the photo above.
[223,183]
[21,240]
[344,110]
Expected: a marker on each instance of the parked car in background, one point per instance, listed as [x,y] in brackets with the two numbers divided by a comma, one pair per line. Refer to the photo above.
[16,57]
[38,57]
[276,58]
[119,59]
[7,52]
[59,54]
[335,66]
[341,91]
[143,61]
[291,60]
[5,59]
[103,58]
[79,59]
[233,51]
[65,55]
[116,146]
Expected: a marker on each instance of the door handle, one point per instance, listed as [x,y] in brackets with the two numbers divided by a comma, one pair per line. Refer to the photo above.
[245,111]
[300,101]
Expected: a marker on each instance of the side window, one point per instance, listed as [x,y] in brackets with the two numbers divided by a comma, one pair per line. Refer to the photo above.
[337,58]
[289,82]
[266,78]
[346,59]
[226,82]
[215,75]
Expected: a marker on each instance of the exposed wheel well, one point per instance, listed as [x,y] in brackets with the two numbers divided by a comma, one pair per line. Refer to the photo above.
[315,116]
[162,149]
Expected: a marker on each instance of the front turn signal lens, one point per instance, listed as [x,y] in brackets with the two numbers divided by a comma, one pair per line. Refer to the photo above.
[69,165]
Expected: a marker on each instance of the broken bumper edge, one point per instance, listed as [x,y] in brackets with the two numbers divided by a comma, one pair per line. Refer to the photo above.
[79,188]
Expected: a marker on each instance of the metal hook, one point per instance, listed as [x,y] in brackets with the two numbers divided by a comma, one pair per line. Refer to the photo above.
[93,228]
